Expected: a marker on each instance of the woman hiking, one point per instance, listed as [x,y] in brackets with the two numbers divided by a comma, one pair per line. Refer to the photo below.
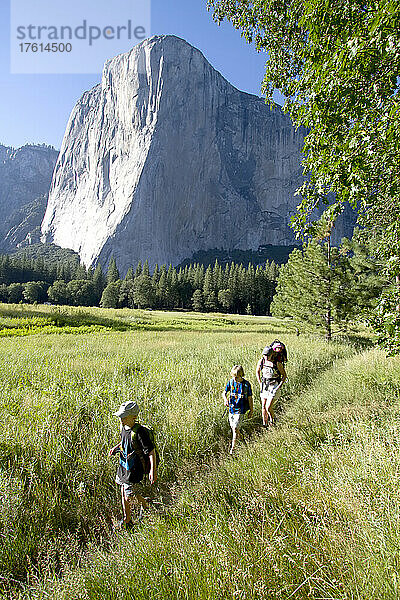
[271,375]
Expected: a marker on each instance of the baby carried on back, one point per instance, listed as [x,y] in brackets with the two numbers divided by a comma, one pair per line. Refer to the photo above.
[271,375]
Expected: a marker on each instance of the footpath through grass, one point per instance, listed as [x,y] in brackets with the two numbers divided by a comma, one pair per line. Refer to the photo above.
[234,527]
[310,510]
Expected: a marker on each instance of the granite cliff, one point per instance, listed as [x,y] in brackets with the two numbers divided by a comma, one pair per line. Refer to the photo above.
[165,158]
[25,177]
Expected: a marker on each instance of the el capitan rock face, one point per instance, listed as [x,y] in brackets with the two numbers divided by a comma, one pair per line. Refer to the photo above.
[165,158]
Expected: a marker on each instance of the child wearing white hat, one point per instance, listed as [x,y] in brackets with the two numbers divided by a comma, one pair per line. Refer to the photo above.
[135,449]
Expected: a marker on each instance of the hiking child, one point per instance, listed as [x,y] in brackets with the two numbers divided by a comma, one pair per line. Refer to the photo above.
[137,456]
[271,375]
[240,401]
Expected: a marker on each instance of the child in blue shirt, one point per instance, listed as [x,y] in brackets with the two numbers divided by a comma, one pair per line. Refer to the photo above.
[240,401]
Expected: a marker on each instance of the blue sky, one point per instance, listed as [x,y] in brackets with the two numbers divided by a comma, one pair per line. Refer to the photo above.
[35,108]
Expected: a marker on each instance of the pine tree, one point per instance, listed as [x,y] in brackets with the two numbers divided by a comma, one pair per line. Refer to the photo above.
[139,269]
[242,289]
[112,271]
[40,268]
[303,289]
[126,289]
[126,293]
[5,270]
[249,282]
[185,288]
[99,281]
[199,277]
[226,277]
[52,273]
[25,268]
[272,271]
[365,279]
[110,295]
[209,297]
[265,288]
[315,288]
[143,292]
[162,292]
[64,272]
[80,272]
[173,289]
[156,276]
[225,300]
[197,301]
[146,269]
[191,275]
[233,286]
[130,276]
[218,277]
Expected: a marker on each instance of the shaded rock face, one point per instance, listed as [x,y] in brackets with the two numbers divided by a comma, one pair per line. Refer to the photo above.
[165,158]
[25,225]
[25,178]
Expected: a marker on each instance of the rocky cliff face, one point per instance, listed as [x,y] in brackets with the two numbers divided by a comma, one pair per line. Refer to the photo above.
[165,158]
[25,177]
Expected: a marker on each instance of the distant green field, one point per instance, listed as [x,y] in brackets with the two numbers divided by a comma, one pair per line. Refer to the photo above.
[25,319]
[57,490]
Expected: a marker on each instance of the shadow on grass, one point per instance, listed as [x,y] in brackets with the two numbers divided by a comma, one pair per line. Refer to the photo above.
[359,342]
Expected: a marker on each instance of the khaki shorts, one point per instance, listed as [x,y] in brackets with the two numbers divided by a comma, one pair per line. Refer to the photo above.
[130,489]
[270,392]
[235,420]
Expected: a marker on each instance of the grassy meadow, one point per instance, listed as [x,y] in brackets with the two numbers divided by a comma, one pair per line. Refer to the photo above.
[309,509]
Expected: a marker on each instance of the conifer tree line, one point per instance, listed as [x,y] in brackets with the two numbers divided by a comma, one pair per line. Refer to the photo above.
[230,288]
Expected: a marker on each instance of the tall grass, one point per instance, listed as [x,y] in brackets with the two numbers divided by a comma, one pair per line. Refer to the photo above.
[57,397]
[310,510]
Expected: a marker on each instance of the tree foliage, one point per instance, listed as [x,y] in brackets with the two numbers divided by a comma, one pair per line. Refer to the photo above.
[110,295]
[164,288]
[308,289]
[320,286]
[81,292]
[35,291]
[143,291]
[337,63]
[112,271]
[57,293]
